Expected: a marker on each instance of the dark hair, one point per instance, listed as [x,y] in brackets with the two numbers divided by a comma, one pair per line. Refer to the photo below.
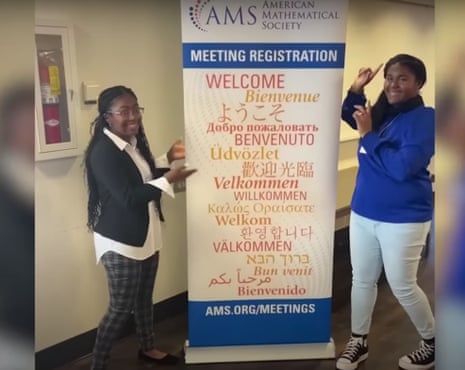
[105,101]
[13,99]
[418,69]
[415,65]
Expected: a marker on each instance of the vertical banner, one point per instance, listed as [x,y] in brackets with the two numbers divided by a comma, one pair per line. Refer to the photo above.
[262,96]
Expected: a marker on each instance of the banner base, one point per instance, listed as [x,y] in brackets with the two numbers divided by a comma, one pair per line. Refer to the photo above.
[268,352]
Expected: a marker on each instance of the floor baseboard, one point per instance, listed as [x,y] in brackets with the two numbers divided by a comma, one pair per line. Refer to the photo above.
[82,344]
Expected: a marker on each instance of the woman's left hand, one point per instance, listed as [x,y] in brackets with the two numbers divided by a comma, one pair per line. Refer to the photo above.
[177,151]
[362,116]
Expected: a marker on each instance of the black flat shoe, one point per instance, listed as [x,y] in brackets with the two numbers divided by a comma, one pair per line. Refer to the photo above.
[167,360]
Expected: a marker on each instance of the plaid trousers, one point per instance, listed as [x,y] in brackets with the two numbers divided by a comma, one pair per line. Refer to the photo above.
[130,285]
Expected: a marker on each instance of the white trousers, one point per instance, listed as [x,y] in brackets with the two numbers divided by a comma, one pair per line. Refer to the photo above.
[397,247]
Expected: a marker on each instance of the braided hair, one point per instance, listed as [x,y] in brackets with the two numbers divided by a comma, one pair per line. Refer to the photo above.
[382,107]
[105,101]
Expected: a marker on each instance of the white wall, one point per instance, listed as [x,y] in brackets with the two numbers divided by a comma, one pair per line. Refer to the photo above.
[138,43]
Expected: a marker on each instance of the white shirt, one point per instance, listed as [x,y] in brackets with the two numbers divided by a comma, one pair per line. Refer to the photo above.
[153,242]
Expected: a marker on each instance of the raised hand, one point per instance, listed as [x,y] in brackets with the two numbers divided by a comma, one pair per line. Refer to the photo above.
[362,116]
[178,174]
[177,151]
[365,75]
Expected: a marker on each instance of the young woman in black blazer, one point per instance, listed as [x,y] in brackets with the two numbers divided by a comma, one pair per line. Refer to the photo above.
[124,187]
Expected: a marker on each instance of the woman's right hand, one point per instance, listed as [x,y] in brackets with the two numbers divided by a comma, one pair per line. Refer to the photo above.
[178,174]
[365,75]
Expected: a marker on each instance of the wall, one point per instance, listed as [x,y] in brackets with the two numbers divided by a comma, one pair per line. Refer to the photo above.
[17,50]
[138,43]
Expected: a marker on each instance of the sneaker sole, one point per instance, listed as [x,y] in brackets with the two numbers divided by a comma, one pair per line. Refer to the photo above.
[353,365]
[408,366]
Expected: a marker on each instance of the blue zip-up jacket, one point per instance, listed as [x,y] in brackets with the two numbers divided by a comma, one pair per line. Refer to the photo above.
[393,183]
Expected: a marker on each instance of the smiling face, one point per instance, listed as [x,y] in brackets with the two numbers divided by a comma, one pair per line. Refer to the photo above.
[400,84]
[124,117]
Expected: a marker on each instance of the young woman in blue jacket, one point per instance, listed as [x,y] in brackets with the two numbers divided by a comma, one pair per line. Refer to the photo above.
[392,203]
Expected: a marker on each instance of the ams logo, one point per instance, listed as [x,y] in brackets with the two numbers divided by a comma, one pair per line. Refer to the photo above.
[204,13]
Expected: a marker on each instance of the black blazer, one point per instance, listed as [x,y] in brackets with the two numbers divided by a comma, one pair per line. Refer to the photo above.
[123,195]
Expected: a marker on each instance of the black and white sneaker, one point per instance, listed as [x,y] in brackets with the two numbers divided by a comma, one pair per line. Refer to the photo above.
[355,352]
[420,359]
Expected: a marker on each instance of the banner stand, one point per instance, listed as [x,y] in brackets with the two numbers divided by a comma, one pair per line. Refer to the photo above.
[268,352]
[262,94]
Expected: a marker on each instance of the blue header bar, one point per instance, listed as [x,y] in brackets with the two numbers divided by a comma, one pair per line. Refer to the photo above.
[263,55]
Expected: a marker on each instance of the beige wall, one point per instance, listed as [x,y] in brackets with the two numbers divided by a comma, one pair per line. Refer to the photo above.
[16,51]
[139,44]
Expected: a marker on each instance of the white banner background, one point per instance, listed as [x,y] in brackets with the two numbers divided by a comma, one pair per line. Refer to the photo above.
[273,294]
